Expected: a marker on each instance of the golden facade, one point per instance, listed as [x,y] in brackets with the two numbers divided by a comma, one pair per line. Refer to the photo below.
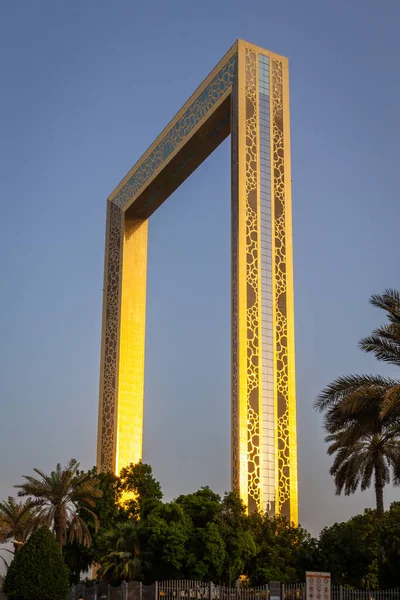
[247,96]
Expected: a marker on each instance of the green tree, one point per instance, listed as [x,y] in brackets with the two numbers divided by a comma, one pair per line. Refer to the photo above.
[141,491]
[284,551]
[206,554]
[57,496]
[167,530]
[234,528]
[202,506]
[125,560]
[17,521]
[389,576]
[349,551]
[38,571]
[109,513]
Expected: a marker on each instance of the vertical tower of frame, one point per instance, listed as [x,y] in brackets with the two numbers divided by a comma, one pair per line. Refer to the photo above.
[247,95]
[264,454]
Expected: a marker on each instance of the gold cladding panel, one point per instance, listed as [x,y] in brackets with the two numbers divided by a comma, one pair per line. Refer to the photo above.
[235,460]
[283,303]
[132,345]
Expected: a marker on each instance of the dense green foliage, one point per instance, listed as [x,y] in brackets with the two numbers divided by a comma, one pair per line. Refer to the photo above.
[205,537]
[122,525]
[38,571]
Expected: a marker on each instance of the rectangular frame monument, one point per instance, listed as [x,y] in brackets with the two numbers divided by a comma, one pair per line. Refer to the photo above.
[247,96]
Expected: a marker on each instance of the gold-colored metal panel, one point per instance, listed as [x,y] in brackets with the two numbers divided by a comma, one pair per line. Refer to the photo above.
[292,425]
[235,416]
[242,284]
[132,345]
[284,322]
[272,148]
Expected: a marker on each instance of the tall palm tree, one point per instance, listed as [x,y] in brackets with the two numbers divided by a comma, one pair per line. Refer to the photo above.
[17,521]
[361,457]
[125,561]
[59,497]
[362,412]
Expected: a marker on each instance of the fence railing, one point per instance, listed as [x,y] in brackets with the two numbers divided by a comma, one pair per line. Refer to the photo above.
[197,590]
[339,592]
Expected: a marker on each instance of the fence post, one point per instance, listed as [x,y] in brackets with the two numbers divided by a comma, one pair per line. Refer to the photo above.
[283,591]
[341,592]
[210,591]
[155,590]
[95,592]
[266,592]
[123,588]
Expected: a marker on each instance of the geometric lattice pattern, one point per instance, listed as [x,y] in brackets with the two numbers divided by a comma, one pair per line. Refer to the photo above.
[280,287]
[246,95]
[110,335]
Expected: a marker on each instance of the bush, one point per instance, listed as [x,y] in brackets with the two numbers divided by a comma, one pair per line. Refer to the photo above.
[38,571]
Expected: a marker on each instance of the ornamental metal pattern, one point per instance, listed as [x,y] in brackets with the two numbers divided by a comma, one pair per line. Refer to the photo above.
[203,104]
[281,324]
[110,360]
[252,278]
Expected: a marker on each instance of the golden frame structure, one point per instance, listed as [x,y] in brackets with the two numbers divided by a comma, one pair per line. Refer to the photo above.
[247,96]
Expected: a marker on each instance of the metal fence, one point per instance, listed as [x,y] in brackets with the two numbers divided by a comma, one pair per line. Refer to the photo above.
[339,592]
[197,590]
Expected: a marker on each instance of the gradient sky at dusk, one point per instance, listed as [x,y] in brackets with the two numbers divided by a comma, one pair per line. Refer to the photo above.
[86,86]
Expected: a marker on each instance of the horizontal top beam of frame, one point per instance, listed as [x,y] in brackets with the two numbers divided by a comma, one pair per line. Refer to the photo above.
[204,120]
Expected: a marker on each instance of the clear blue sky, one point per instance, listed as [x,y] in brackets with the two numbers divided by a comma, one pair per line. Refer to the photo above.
[86,85]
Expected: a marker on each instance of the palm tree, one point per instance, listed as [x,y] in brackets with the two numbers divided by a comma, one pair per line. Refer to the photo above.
[17,521]
[361,457]
[362,413]
[60,497]
[125,561]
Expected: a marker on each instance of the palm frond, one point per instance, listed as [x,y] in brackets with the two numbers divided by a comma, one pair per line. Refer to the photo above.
[384,348]
[341,387]
[388,301]
[391,403]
